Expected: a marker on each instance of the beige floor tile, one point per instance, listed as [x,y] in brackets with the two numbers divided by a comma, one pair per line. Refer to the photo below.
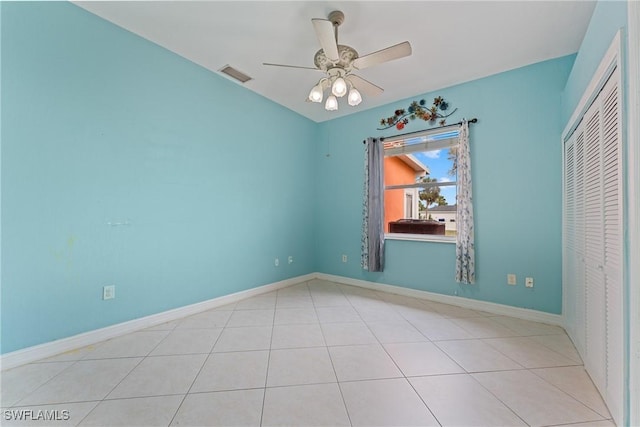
[144,411]
[71,355]
[559,343]
[243,339]
[422,358]
[207,319]
[390,402]
[418,313]
[484,327]
[575,381]
[160,375]
[223,408]
[294,302]
[257,303]
[459,400]
[440,329]
[166,326]
[251,318]
[329,300]
[455,312]
[338,314]
[603,423]
[351,333]
[18,382]
[233,371]
[477,356]
[363,362]
[301,290]
[526,327]
[395,332]
[187,341]
[529,353]
[295,316]
[136,344]
[86,380]
[534,400]
[306,405]
[297,336]
[300,366]
[379,314]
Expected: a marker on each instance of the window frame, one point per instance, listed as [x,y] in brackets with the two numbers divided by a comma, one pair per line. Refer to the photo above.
[434,139]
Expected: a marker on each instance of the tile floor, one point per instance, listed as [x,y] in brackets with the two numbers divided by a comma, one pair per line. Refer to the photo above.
[319,354]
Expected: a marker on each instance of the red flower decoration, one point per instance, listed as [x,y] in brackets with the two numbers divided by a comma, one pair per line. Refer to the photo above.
[400,125]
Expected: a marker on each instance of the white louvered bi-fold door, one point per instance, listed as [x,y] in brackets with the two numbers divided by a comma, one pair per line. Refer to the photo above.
[592,203]
[613,244]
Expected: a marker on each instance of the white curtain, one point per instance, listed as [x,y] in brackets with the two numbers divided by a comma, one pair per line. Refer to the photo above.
[372,244]
[465,251]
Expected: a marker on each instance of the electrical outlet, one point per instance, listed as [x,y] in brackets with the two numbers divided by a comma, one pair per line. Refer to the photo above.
[528,282]
[290,259]
[276,262]
[511,279]
[344,258]
[108,292]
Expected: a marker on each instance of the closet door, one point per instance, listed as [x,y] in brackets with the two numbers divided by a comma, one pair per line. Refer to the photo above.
[593,239]
[593,227]
[569,266]
[613,241]
[595,345]
[580,293]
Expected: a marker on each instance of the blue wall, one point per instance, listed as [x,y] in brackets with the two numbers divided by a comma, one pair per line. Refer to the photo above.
[101,126]
[608,17]
[516,168]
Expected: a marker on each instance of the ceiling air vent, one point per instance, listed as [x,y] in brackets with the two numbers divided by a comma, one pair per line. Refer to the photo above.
[235,74]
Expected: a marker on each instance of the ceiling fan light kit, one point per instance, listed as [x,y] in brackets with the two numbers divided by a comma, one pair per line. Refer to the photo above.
[338,61]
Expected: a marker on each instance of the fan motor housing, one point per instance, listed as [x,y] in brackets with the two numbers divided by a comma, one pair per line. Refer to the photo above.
[346,55]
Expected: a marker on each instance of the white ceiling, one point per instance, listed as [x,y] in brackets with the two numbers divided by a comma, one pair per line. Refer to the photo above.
[452,41]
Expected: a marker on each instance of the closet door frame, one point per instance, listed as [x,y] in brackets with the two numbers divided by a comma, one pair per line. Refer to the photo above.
[633,206]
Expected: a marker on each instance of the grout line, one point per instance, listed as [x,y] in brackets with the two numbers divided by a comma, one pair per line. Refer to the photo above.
[266,374]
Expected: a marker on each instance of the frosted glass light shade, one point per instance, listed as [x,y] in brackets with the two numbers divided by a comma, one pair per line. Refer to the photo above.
[316,94]
[354,97]
[331,104]
[339,87]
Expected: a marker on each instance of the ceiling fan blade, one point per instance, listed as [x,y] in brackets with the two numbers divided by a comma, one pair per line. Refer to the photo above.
[389,54]
[290,66]
[327,37]
[364,86]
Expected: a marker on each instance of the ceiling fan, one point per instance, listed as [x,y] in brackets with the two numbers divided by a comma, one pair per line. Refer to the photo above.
[339,61]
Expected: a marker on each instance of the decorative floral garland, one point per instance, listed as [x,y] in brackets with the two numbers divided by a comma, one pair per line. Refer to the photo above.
[418,110]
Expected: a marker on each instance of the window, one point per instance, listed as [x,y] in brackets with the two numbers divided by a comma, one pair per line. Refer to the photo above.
[420,185]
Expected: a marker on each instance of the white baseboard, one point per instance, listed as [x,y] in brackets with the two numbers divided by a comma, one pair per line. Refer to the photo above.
[489,307]
[42,351]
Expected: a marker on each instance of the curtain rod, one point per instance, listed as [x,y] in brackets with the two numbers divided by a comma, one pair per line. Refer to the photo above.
[474,120]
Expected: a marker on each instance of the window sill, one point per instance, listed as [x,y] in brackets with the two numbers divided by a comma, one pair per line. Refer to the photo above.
[420,237]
